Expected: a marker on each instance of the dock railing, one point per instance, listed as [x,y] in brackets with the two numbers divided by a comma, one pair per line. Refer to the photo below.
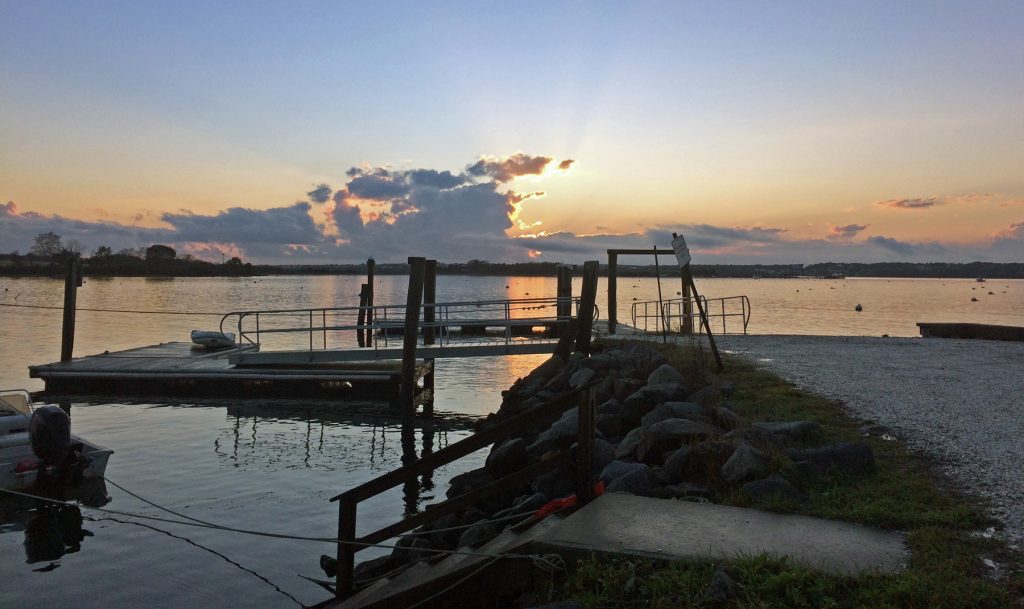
[340,327]
[543,414]
[727,315]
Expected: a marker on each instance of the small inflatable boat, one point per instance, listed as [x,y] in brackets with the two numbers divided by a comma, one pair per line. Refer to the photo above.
[213,339]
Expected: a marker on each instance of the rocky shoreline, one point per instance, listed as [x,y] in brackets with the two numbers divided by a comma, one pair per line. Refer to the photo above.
[659,433]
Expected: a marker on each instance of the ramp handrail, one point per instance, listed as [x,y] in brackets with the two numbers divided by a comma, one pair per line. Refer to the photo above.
[387,321]
[542,414]
[648,317]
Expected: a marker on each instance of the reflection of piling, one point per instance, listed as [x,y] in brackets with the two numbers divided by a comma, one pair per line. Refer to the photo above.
[72,280]
[427,480]
[411,487]
[407,395]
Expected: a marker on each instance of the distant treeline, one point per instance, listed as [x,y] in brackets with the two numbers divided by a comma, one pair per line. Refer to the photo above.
[161,263]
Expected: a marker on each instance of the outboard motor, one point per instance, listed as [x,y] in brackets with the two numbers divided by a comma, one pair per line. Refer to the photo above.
[50,434]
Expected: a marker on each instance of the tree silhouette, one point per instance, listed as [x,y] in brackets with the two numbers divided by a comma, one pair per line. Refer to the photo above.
[47,244]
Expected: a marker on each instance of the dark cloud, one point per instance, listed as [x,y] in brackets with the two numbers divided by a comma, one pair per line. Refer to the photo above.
[510,167]
[908,249]
[241,225]
[848,231]
[378,184]
[320,194]
[436,179]
[566,164]
[911,203]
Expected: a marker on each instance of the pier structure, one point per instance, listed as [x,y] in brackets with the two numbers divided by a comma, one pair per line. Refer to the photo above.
[384,351]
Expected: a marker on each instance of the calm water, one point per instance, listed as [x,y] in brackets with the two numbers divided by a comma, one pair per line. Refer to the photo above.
[273,465]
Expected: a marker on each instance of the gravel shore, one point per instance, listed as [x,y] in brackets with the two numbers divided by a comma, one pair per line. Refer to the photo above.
[961,401]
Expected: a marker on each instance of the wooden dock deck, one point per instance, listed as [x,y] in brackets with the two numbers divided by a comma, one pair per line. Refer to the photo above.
[182,369]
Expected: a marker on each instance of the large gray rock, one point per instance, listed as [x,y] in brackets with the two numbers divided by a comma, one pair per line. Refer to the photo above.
[851,458]
[603,454]
[370,569]
[673,410]
[537,378]
[623,388]
[706,396]
[664,374]
[722,589]
[617,469]
[774,486]
[609,424]
[725,418]
[674,469]
[561,433]
[746,463]
[468,481]
[635,482]
[789,430]
[646,398]
[581,377]
[611,406]
[523,505]
[478,534]
[670,434]
[556,483]
[508,457]
[627,448]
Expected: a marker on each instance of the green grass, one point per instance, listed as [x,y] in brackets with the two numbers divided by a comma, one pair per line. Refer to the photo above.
[904,492]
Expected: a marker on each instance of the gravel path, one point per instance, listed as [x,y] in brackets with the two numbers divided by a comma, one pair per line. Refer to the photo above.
[959,400]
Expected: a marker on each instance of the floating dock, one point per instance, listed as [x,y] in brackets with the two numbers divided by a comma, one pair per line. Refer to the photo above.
[182,369]
[971,331]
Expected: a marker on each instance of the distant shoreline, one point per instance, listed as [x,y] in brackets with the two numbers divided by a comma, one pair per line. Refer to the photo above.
[128,266]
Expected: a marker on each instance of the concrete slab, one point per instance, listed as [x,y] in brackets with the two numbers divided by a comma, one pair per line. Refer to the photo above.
[672,530]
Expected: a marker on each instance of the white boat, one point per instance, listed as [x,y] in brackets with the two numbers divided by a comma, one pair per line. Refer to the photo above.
[18,464]
[212,338]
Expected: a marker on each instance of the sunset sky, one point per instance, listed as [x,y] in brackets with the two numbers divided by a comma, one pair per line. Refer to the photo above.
[765,132]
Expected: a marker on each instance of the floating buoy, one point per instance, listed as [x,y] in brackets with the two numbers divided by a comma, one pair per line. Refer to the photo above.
[858,308]
[974,300]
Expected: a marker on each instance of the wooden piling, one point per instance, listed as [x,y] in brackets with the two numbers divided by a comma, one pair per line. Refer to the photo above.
[407,395]
[588,294]
[361,318]
[371,265]
[72,279]
[429,298]
[613,277]
[563,291]
[688,294]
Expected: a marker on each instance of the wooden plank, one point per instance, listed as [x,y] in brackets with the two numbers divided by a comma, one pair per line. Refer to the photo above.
[72,279]
[613,293]
[269,358]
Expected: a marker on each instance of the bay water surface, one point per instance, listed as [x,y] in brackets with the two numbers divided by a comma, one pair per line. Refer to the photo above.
[272,465]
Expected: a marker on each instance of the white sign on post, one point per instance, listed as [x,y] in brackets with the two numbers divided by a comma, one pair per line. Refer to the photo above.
[681,251]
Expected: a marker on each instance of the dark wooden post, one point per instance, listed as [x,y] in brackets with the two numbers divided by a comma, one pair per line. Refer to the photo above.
[429,298]
[588,294]
[585,448]
[371,265]
[346,551]
[613,291]
[412,323]
[688,293]
[72,279]
[704,319]
[361,318]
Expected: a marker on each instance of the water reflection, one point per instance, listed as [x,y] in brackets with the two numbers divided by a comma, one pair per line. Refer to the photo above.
[303,441]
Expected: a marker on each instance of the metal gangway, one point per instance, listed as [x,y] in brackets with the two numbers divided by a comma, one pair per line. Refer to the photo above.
[468,328]
[678,314]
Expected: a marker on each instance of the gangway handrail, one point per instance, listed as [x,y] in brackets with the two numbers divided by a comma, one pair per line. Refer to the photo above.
[682,309]
[387,318]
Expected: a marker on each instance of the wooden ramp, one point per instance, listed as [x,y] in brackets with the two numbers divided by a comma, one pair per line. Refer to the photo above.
[370,354]
[184,369]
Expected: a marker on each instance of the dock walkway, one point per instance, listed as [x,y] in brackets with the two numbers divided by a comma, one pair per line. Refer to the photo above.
[180,368]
